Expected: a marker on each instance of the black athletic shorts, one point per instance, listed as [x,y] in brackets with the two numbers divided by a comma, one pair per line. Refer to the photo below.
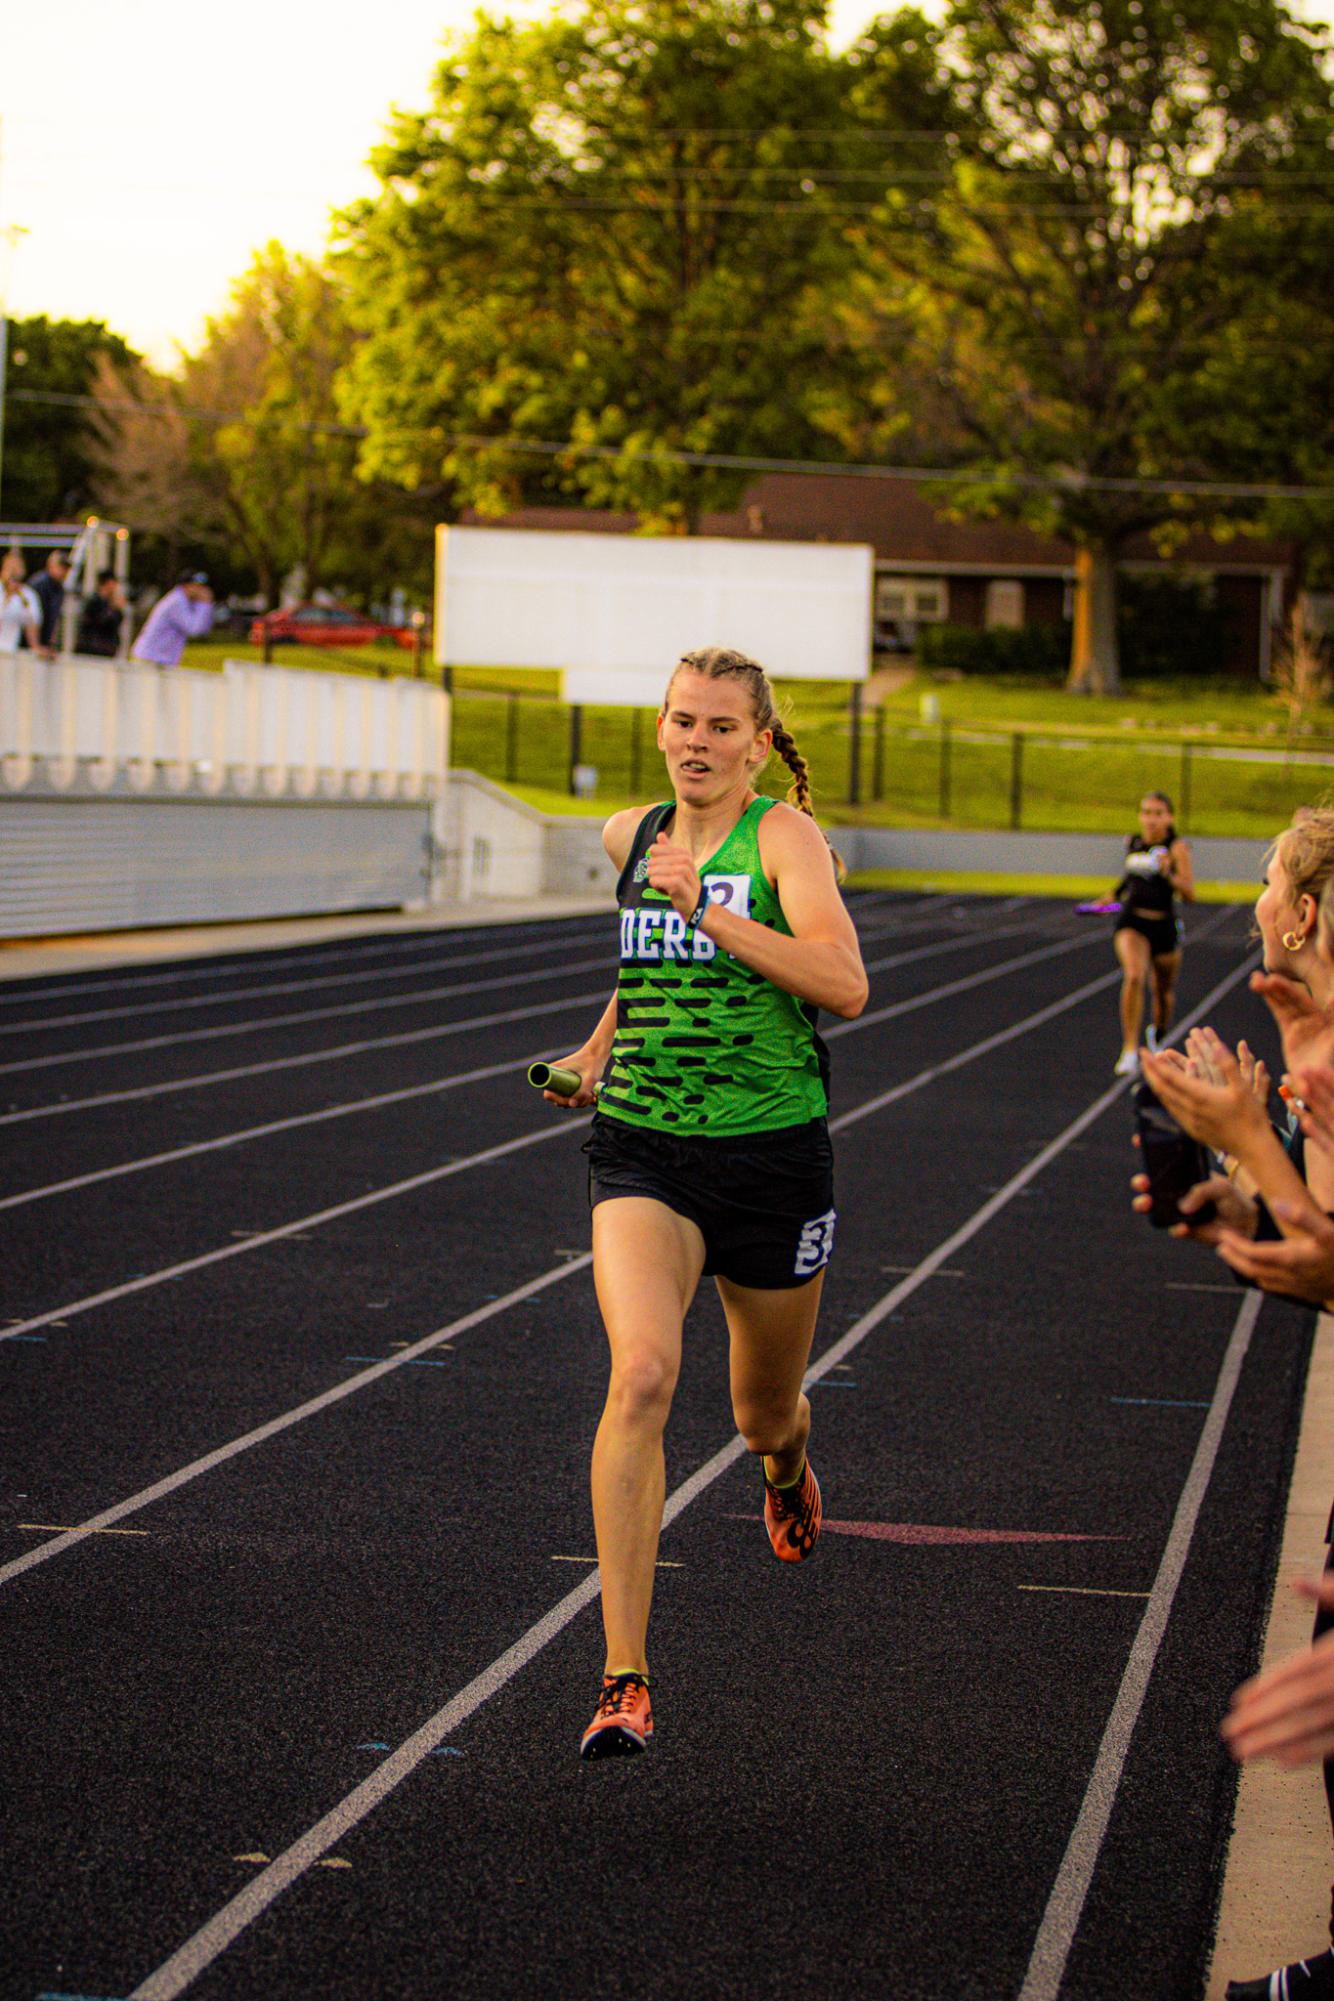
[1163,933]
[764,1202]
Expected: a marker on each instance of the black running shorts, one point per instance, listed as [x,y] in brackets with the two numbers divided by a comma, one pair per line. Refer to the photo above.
[764,1202]
[1164,932]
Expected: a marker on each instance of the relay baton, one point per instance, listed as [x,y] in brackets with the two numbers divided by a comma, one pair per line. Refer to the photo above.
[563,1082]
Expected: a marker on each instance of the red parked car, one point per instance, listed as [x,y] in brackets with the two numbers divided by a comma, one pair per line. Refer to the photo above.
[324,625]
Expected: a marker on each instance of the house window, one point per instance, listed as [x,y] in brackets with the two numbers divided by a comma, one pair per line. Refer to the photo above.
[911,600]
[1005,604]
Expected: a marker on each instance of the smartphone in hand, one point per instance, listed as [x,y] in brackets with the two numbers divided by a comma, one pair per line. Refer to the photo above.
[1174,1162]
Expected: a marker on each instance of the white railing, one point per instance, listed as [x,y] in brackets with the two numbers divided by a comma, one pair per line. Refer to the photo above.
[251,731]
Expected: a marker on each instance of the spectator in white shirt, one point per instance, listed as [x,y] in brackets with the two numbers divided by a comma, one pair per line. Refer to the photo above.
[20,613]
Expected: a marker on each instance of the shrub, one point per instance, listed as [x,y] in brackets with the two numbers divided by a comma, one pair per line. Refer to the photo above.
[1040,651]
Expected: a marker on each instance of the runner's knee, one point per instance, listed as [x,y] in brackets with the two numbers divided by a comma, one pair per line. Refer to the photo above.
[640,1391]
[766,1424]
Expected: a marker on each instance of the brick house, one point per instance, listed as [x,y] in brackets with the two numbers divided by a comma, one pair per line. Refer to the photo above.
[931,570]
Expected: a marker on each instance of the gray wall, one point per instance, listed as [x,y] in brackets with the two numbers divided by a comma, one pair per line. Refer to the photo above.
[110,863]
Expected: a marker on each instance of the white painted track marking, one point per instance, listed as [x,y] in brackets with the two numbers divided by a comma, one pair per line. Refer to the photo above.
[313,1222]
[213,1937]
[219,1457]
[411,1091]
[576,931]
[245,964]
[1065,1906]
[258,1024]
[22,1327]
[309,1056]
[447,963]
[848,1118]
[377,1103]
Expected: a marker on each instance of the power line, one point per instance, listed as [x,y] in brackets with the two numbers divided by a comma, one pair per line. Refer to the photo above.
[1067,481]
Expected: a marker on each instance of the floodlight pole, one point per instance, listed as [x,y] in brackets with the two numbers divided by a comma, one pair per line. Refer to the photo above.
[9,236]
[4,364]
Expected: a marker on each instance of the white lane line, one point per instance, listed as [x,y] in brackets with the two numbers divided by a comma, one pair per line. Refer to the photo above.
[258,1024]
[411,1036]
[17,1329]
[214,1937]
[267,989]
[552,935]
[563,1124]
[445,963]
[1065,1906]
[437,1085]
[314,956]
[977,1049]
[877,1015]
[102,1524]
[369,1043]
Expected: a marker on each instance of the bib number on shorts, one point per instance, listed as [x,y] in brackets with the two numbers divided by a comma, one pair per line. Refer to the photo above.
[816,1244]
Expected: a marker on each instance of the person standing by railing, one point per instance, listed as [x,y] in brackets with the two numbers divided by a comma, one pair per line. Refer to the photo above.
[20,613]
[184,613]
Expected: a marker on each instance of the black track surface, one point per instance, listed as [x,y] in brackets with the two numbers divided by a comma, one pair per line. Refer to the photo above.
[867,1770]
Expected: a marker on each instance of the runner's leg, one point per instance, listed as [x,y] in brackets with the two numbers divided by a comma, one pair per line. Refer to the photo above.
[771,1334]
[1166,971]
[646,1265]
[1132,949]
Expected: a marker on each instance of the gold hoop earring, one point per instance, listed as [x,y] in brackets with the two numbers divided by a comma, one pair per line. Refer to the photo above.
[1293,941]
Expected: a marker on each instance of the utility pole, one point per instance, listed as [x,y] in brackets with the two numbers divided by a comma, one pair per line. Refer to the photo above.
[9,237]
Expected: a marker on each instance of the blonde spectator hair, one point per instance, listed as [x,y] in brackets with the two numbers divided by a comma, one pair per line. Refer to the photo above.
[1306,850]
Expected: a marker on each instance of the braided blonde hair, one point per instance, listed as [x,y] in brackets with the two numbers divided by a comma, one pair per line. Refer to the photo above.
[720,663]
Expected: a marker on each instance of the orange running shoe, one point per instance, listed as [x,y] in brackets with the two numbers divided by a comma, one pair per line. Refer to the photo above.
[792,1516]
[623,1723]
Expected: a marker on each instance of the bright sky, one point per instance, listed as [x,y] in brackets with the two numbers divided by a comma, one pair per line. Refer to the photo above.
[146,158]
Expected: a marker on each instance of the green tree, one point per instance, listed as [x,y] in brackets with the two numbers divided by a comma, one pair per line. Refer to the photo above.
[47,471]
[623,230]
[1088,256]
[244,453]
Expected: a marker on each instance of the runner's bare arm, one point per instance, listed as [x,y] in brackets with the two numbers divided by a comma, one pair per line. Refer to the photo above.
[821,962]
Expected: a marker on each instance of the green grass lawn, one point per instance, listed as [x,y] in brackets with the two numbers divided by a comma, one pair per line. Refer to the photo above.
[1085,760]
[1072,888]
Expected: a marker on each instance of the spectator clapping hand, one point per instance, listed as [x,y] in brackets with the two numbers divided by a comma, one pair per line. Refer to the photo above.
[1306,1027]
[1287,1713]
[1235,1211]
[1301,1266]
[1210,1097]
[1313,1090]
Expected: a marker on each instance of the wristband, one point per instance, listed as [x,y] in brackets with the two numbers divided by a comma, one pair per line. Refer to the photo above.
[696,917]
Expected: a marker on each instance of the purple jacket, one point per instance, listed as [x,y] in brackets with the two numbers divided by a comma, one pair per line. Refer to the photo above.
[173,619]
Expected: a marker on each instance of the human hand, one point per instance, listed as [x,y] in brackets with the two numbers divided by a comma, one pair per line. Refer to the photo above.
[1287,1713]
[1307,1028]
[1220,1115]
[1301,1266]
[590,1067]
[1235,1211]
[1201,1056]
[671,870]
[1314,1096]
[1254,1073]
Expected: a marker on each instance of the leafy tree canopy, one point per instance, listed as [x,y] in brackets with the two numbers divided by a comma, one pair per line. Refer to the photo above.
[244,454]
[1089,253]
[47,472]
[624,229]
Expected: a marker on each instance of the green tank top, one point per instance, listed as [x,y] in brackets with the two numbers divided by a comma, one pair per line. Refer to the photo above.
[703,1044]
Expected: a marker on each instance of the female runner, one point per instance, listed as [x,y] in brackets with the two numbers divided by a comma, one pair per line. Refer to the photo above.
[1147,934]
[709,1152]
